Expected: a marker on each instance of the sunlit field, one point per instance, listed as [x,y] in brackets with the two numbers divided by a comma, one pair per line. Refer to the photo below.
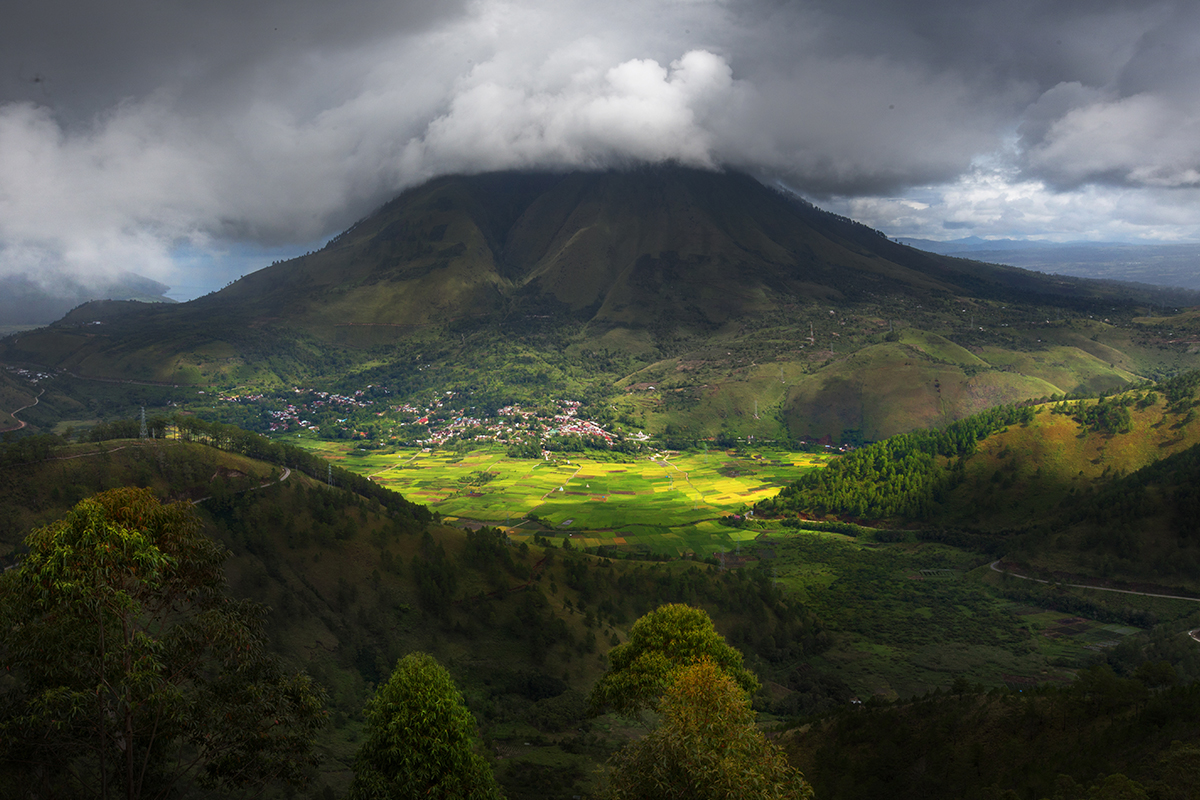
[667,503]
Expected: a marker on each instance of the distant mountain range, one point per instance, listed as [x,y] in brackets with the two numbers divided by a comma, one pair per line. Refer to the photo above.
[25,301]
[1155,264]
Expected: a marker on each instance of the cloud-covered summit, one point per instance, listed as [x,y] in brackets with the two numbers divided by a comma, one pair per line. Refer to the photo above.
[133,131]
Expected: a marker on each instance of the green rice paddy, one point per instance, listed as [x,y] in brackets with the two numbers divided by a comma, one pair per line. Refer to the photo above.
[669,503]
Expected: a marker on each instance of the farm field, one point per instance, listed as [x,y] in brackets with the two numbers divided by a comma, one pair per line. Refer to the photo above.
[668,503]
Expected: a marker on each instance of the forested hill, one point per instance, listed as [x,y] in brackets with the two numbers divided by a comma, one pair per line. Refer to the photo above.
[1100,487]
[351,580]
[905,476]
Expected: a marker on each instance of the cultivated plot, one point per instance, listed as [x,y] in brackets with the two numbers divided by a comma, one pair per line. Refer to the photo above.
[668,503]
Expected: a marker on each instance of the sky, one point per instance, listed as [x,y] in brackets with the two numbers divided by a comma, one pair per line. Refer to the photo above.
[195,141]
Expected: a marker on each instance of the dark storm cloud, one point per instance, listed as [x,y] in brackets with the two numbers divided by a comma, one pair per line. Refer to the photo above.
[130,129]
[81,58]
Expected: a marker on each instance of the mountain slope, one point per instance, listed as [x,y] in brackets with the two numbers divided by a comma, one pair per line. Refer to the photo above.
[1101,489]
[747,310]
[26,303]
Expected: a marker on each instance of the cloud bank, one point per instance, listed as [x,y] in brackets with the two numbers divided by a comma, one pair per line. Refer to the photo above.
[131,136]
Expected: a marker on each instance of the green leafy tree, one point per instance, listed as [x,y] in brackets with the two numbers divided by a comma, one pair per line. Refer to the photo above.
[420,740]
[1180,768]
[668,638]
[706,747]
[128,669]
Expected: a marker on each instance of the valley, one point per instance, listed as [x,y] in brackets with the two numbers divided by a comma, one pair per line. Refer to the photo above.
[671,504]
[517,412]
[889,614]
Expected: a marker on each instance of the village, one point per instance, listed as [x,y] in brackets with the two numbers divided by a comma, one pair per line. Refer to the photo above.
[367,415]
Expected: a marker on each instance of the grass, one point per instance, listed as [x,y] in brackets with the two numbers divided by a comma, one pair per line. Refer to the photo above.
[909,618]
[662,504]
[1041,462]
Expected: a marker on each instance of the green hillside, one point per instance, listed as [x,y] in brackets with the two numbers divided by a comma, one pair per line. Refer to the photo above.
[353,582]
[354,577]
[509,348]
[1091,488]
[698,301]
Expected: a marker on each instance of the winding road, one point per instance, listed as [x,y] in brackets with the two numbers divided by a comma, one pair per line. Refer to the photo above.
[21,423]
[1097,588]
[1193,634]
[287,473]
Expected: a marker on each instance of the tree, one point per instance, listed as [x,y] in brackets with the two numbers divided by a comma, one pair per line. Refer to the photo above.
[706,747]
[668,638]
[131,672]
[1180,769]
[419,739]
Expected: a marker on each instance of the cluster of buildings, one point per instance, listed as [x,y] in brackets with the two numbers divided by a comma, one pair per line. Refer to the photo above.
[33,376]
[294,416]
[288,417]
[442,420]
[512,424]
[568,424]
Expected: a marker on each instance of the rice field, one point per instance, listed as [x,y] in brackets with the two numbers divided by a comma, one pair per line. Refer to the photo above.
[668,503]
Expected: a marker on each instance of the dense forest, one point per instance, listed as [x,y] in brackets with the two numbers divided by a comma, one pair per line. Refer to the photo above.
[904,476]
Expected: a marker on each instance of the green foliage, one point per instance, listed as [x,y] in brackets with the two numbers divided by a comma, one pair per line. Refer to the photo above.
[532,449]
[904,616]
[420,740]
[1106,415]
[706,748]
[127,662]
[437,578]
[27,449]
[257,446]
[1116,515]
[1101,737]
[669,638]
[488,551]
[898,477]
[1180,390]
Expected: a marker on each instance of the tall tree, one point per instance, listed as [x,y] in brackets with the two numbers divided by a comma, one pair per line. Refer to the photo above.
[129,670]
[660,643]
[706,748]
[420,740]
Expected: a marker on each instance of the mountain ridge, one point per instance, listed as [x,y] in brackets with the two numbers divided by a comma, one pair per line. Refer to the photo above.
[729,297]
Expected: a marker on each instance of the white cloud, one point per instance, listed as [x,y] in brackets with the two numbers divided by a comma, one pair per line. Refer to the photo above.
[993,200]
[1141,140]
[638,110]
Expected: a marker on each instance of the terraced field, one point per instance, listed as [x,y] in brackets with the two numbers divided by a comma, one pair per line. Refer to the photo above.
[666,503]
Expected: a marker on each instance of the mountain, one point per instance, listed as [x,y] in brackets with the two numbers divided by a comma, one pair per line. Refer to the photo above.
[685,300]
[25,302]
[618,250]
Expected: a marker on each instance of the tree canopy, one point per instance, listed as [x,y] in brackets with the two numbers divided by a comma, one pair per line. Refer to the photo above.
[661,642]
[130,671]
[420,740]
[706,747]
